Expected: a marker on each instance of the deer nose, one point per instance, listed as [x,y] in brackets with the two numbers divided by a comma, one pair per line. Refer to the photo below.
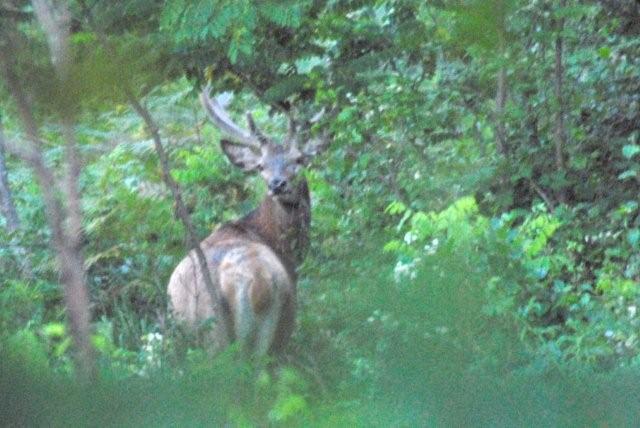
[277,185]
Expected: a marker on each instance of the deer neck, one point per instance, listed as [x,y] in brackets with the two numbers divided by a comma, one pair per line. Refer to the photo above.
[284,227]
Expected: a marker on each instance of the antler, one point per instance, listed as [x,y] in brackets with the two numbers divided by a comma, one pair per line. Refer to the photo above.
[292,137]
[312,146]
[221,119]
[256,131]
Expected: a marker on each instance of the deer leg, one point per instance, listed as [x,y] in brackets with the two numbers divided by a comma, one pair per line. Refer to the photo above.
[267,326]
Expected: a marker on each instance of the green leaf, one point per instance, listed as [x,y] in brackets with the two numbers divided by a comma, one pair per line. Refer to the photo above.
[61,348]
[284,14]
[284,88]
[633,237]
[306,65]
[630,150]
[392,246]
[422,224]
[287,407]
[579,162]
[26,348]
[395,207]
[54,329]
[628,174]
[604,52]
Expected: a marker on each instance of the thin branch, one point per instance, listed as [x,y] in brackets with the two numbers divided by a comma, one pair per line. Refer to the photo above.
[13,13]
[219,304]
[18,150]
[33,154]
[198,125]
[9,210]
[501,100]
[183,214]
[546,198]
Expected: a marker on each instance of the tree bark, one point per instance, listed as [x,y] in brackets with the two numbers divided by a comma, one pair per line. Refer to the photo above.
[55,20]
[68,255]
[560,131]
[501,91]
[6,198]
[62,215]
[501,100]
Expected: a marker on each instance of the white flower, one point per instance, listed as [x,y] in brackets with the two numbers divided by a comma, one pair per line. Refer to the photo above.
[404,270]
[410,237]
[630,342]
[432,247]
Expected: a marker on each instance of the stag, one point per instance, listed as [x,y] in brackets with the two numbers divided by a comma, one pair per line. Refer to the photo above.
[252,261]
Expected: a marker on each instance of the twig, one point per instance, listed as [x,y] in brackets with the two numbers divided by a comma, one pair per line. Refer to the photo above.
[547,200]
[180,209]
[182,213]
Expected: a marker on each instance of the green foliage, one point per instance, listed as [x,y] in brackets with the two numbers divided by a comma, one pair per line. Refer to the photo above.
[237,24]
[446,276]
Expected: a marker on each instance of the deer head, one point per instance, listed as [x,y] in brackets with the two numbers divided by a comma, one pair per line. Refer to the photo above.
[278,164]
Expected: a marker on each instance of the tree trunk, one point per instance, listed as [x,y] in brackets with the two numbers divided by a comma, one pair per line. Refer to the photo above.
[501,93]
[560,131]
[501,100]
[55,20]
[68,254]
[6,198]
[63,215]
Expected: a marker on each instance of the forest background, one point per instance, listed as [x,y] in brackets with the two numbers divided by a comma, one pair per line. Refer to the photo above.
[475,228]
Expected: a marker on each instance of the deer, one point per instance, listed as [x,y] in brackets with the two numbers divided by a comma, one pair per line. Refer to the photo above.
[253,260]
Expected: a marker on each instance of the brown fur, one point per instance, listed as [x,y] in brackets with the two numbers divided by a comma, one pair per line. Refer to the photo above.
[254,258]
[261,293]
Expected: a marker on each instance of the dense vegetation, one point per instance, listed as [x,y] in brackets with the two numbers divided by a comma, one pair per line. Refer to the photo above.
[476,223]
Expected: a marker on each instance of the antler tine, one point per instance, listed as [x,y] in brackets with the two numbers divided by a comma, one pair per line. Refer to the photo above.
[319,115]
[292,135]
[315,145]
[221,119]
[256,131]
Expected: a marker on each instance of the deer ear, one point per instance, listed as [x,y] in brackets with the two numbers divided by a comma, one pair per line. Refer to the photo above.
[243,157]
